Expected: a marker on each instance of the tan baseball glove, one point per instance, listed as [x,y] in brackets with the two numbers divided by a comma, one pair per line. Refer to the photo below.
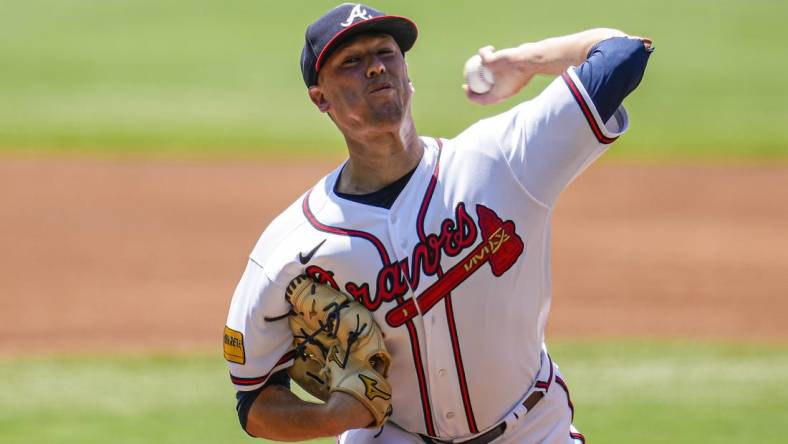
[339,347]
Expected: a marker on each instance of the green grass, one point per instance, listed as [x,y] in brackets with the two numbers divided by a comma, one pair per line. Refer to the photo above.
[217,78]
[646,392]
[677,392]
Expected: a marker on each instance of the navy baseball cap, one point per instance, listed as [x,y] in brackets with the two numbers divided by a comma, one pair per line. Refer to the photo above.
[343,22]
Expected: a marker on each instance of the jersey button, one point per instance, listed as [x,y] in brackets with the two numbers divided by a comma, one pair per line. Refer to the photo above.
[442,372]
[450,415]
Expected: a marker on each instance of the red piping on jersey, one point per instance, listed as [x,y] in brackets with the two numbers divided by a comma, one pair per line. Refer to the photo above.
[586,111]
[428,194]
[261,379]
[546,384]
[412,333]
[563,385]
[425,396]
[384,256]
[568,398]
[455,343]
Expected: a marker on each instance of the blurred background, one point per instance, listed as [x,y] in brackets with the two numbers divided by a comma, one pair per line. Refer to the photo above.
[145,145]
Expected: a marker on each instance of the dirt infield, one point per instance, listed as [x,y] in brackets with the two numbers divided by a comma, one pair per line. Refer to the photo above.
[102,255]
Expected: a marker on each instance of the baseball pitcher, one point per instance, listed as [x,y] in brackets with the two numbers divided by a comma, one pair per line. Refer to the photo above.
[409,288]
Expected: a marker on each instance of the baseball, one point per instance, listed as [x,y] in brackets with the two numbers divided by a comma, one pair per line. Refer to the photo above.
[478,77]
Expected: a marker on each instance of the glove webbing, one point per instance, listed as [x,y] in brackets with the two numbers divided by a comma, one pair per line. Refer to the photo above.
[330,328]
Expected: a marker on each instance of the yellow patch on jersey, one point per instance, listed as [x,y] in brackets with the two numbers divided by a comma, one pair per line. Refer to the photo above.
[234,346]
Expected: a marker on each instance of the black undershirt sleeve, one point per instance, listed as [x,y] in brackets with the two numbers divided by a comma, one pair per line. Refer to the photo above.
[613,69]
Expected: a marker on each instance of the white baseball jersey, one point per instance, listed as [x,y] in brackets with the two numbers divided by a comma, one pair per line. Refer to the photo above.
[456,272]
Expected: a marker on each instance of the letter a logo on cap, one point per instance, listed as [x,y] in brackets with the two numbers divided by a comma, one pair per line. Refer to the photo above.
[357,12]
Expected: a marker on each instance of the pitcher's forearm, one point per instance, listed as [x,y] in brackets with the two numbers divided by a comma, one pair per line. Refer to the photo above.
[554,55]
[277,414]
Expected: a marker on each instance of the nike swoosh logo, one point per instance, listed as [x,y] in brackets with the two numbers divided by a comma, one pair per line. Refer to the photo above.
[306,258]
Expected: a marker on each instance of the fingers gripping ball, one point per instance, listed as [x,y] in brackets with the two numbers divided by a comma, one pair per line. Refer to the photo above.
[328,323]
[478,77]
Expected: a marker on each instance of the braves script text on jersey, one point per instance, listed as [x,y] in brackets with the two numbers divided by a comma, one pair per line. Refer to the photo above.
[456,272]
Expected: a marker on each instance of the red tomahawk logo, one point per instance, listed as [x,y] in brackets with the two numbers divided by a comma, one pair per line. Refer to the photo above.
[500,246]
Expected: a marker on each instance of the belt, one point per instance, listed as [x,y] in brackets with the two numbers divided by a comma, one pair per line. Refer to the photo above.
[494,432]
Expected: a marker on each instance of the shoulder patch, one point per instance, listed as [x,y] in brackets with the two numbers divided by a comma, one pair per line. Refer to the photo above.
[234,346]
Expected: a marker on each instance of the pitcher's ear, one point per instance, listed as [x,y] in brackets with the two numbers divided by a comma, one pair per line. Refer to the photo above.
[317,97]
